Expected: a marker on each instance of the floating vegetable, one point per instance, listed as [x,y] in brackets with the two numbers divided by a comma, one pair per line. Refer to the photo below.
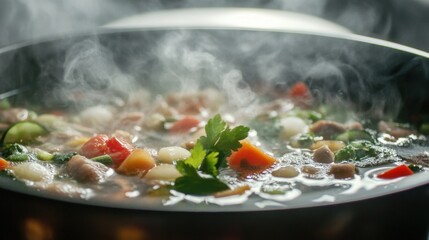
[396,172]
[23,132]
[355,134]
[249,159]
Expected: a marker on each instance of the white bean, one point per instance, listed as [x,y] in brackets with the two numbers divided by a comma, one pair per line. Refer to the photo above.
[96,115]
[171,154]
[163,172]
[32,171]
[286,172]
[292,126]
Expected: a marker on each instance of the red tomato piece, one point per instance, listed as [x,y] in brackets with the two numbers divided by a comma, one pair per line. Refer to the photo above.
[118,149]
[95,146]
[299,90]
[184,125]
[396,172]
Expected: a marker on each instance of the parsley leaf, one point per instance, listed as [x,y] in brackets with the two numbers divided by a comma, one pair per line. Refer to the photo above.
[214,128]
[198,185]
[207,156]
[186,169]
[197,155]
[220,138]
[209,165]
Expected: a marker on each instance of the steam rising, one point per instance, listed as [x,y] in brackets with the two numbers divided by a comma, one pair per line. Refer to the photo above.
[91,75]
[188,62]
[192,62]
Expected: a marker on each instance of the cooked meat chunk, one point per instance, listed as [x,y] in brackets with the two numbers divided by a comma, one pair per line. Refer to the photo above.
[343,171]
[327,129]
[85,170]
[393,130]
[309,169]
[13,115]
[286,172]
[323,155]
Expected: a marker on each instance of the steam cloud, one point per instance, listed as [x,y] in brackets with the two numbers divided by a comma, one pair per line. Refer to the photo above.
[187,62]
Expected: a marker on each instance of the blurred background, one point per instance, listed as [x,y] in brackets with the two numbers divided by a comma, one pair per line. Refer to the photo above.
[395,20]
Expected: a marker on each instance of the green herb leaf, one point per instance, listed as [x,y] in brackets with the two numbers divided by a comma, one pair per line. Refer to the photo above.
[15,152]
[220,138]
[210,163]
[197,155]
[104,159]
[207,156]
[62,158]
[197,185]
[214,128]
[359,150]
[186,169]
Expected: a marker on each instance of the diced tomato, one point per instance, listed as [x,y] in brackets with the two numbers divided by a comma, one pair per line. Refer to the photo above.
[396,172]
[184,125]
[95,146]
[299,90]
[119,149]
[249,159]
[3,164]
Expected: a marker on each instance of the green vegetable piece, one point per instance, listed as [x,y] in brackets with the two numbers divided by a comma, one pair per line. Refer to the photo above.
[220,138]
[23,132]
[355,134]
[347,153]
[62,158]
[268,127]
[104,159]
[310,115]
[208,155]
[303,141]
[197,156]
[15,152]
[209,165]
[193,183]
[44,155]
[357,150]
[13,148]
[415,168]
[424,128]
[18,157]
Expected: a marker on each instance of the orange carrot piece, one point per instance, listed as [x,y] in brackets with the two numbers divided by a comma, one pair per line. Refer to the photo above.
[249,159]
[3,164]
